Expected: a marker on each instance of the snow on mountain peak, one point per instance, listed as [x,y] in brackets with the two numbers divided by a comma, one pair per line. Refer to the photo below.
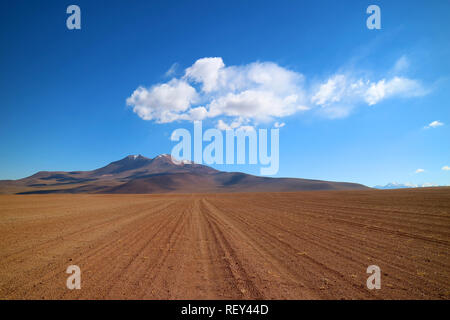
[174,160]
[164,155]
[134,157]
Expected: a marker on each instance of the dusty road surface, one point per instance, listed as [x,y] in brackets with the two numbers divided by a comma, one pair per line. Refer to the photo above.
[303,245]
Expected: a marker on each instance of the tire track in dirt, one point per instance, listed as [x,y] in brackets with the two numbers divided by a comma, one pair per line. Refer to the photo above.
[265,266]
[136,273]
[315,239]
[302,270]
[237,277]
[96,254]
[80,232]
[304,245]
[325,241]
[114,266]
[410,280]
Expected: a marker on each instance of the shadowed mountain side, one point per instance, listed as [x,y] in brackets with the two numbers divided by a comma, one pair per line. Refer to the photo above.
[138,174]
[224,182]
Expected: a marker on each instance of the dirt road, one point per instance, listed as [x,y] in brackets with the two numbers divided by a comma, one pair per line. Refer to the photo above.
[304,245]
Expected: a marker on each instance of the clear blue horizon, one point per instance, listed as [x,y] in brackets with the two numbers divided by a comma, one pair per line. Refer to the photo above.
[371,106]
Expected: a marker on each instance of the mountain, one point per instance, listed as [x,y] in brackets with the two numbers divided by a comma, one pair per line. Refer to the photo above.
[138,174]
[396,185]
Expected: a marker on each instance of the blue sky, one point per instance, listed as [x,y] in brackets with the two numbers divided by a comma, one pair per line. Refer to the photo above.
[63,93]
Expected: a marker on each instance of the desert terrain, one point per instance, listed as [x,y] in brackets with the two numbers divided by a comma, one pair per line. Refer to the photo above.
[293,245]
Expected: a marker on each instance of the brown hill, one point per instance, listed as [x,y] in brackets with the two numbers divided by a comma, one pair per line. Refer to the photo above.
[138,174]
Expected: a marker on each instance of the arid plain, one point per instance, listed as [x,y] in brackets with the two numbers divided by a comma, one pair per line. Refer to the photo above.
[294,245]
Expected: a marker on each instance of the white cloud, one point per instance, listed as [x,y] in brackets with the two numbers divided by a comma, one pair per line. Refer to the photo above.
[205,71]
[397,86]
[165,102]
[198,113]
[419,171]
[446,168]
[221,125]
[260,92]
[401,64]
[341,93]
[261,106]
[434,124]
[331,91]
[279,125]
[173,68]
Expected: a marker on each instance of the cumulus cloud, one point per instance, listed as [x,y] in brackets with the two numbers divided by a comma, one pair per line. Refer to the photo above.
[164,103]
[279,125]
[434,124]
[446,168]
[206,71]
[419,171]
[260,92]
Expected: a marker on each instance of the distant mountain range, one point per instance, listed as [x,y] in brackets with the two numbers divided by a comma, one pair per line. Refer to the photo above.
[138,174]
[395,185]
